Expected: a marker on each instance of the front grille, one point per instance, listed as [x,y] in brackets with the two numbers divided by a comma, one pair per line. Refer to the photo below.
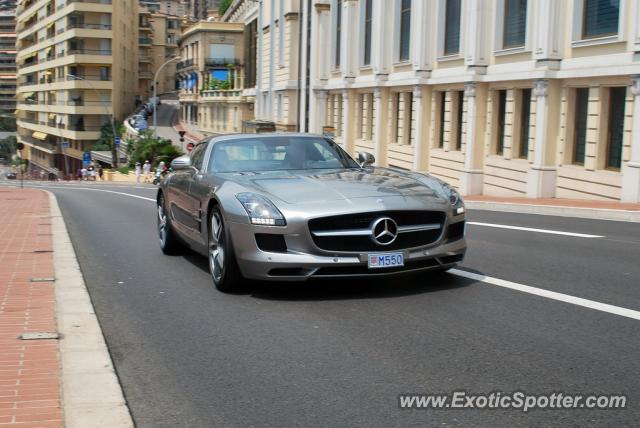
[364,220]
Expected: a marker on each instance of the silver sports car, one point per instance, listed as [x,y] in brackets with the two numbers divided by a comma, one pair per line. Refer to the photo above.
[290,207]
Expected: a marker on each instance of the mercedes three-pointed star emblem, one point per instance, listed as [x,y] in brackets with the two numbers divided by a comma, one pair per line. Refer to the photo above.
[384,231]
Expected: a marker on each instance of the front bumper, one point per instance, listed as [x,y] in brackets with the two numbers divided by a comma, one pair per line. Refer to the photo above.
[305,261]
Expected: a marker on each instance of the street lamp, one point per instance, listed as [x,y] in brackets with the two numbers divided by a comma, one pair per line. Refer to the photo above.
[114,152]
[155,93]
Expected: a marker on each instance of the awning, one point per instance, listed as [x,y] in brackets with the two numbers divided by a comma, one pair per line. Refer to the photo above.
[39,135]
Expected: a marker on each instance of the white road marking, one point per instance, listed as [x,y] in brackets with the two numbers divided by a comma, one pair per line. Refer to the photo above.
[530,229]
[603,307]
[95,190]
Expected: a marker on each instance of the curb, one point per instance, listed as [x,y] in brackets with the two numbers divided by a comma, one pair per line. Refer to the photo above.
[554,210]
[91,392]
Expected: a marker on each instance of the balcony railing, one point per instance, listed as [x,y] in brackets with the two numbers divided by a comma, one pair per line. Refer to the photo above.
[222,93]
[90,26]
[184,64]
[78,127]
[105,52]
[145,40]
[222,62]
[145,75]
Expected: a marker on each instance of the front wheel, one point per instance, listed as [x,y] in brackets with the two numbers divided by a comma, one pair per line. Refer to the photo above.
[222,262]
[169,243]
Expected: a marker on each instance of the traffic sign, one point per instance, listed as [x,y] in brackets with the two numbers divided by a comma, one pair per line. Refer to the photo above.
[86,158]
[117,141]
[19,146]
[190,147]
[182,135]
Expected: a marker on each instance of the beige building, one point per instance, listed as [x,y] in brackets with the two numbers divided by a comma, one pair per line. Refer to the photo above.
[7,69]
[498,97]
[145,53]
[504,97]
[166,34]
[77,66]
[212,77]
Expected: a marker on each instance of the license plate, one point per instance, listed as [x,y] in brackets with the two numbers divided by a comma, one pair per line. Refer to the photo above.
[385,260]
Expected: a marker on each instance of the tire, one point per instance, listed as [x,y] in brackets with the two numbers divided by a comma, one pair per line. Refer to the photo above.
[169,243]
[222,262]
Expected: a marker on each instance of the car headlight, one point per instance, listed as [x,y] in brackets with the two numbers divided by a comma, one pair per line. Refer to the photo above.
[455,199]
[261,210]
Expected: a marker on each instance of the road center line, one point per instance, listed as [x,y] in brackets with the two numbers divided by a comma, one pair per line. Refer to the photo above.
[603,307]
[530,229]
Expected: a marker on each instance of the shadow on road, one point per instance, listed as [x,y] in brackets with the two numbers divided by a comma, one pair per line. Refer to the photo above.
[344,289]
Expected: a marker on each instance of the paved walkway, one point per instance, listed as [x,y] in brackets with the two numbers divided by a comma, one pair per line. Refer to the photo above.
[29,369]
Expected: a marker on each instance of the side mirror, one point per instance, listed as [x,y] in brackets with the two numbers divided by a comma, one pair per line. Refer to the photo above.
[365,159]
[182,162]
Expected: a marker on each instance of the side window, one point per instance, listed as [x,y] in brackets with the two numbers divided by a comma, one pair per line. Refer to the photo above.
[197,156]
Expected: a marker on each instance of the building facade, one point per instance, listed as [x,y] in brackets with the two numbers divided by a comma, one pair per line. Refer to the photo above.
[498,97]
[167,30]
[7,69]
[212,77]
[506,97]
[77,66]
[178,8]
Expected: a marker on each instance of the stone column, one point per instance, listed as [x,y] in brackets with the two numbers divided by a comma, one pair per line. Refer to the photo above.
[381,104]
[472,175]
[318,111]
[541,180]
[349,53]
[348,121]
[422,99]
[631,171]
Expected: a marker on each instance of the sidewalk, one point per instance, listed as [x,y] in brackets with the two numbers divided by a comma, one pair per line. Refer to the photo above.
[55,369]
[604,210]
[29,369]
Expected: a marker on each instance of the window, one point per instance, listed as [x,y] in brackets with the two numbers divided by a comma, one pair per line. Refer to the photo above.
[405,30]
[442,100]
[409,116]
[525,121]
[515,23]
[397,100]
[502,110]
[368,23]
[452,27]
[616,127]
[459,111]
[281,30]
[600,18]
[251,51]
[580,124]
[197,156]
[338,32]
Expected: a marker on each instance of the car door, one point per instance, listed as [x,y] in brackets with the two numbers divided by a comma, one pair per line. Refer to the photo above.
[200,191]
[178,195]
[190,198]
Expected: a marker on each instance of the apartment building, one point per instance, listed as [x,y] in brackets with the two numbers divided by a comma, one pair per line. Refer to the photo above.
[7,68]
[167,31]
[178,8]
[77,66]
[212,77]
[498,97]
[145,53]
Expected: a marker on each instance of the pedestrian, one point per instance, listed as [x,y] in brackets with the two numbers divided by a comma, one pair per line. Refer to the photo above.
[41,174]
[138,171]
[84,173]
[79,174]
[146,169]
[101,172]
[91,172]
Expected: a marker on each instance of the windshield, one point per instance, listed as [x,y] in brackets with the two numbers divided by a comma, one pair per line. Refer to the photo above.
[278,154]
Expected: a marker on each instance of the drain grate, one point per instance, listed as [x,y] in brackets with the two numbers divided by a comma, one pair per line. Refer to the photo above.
[39,335]
[46,279]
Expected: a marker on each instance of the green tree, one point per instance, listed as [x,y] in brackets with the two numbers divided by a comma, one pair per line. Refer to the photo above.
[224,5]
[106,140]
[8,147]
[155,150]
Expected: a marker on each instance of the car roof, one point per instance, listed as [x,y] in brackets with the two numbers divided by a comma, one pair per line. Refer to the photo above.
[270,135]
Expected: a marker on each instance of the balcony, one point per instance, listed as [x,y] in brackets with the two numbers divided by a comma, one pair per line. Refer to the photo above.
[221,94]
[145,41]
[184,64]
[145,58]
[146,75]
[222,62]
[104,27]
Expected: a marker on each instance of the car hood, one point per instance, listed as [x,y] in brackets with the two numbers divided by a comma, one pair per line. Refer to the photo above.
[300,187]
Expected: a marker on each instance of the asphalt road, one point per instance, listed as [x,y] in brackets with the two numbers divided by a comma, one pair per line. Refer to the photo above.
[340,353]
